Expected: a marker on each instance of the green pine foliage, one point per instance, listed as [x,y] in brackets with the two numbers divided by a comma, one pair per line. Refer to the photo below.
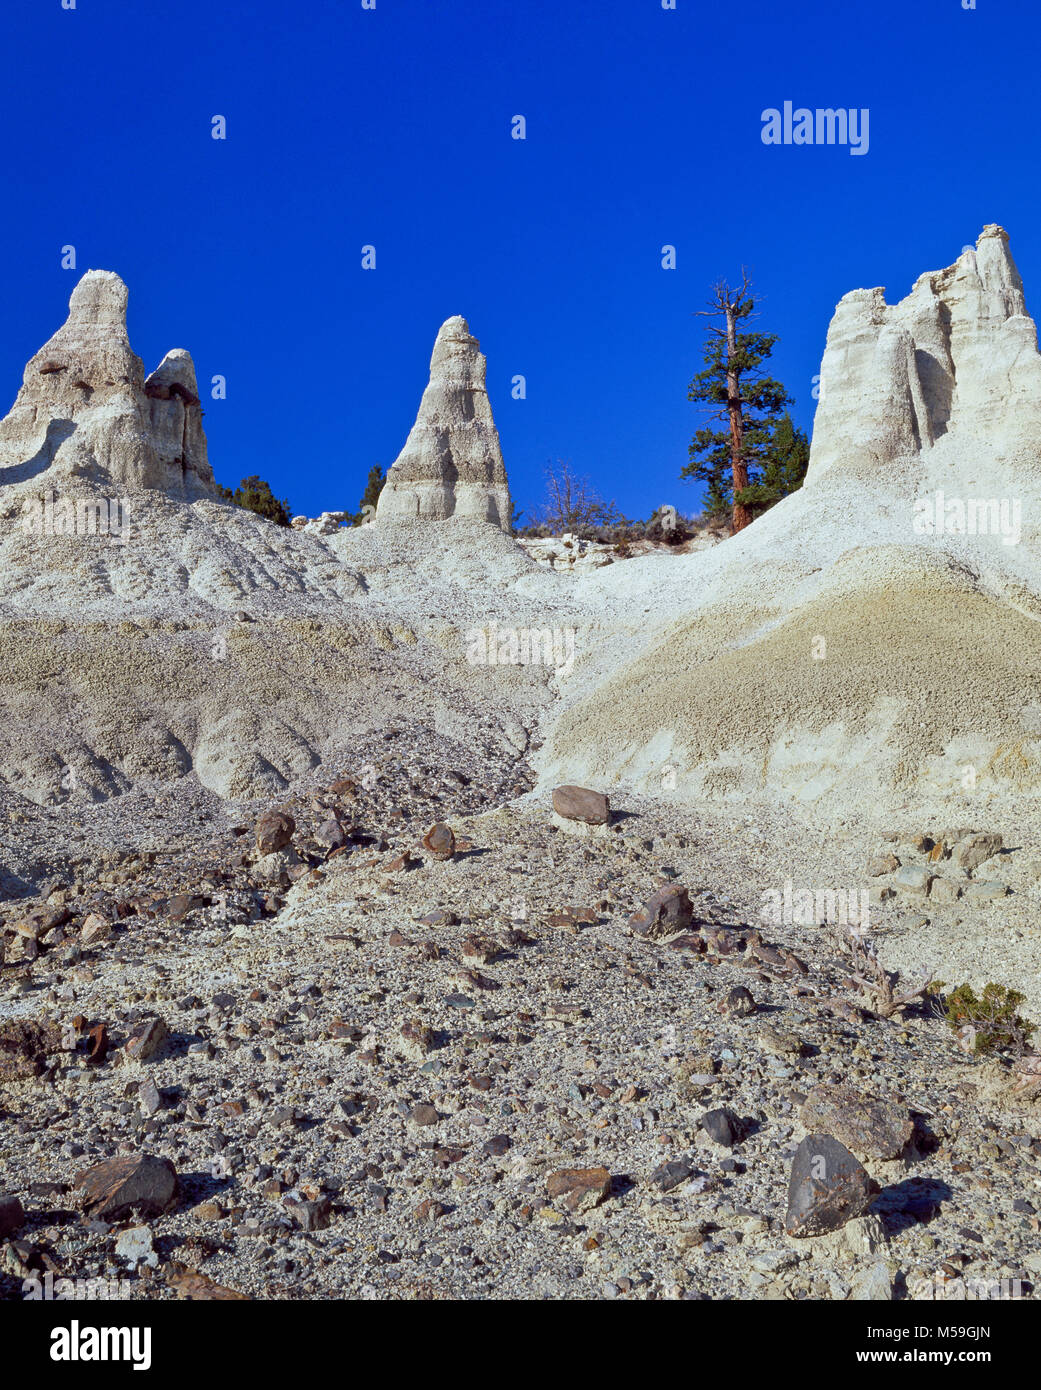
[369,498]
[783,468]
[255,495]
[774,452]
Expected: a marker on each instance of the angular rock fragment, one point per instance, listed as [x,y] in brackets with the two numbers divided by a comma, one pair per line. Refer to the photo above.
[147,1039]
[738,1003]
[828,1187]
[579,1189]
[440,840]
[669,1175]
[24,1047]
[723,1127]
[273,831]
[666,912]
[138,1184]
[972,852]
[12,1215]
[866,1124]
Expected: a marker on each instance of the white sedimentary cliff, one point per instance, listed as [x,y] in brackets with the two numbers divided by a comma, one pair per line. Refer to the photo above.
[451,465]
[957,356]
[877,635]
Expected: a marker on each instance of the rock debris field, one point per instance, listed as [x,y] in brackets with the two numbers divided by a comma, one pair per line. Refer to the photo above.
[387,914]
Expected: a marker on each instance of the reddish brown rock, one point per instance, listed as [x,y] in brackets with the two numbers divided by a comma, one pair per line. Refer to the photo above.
[864,1123]
[12,1215]
[24,1046]
[665,913]
[147,1039]
[137,1184]
[440,840]
[579,803]
[273,831]
[579,1189]
[429,1210]
[95,928]
[190,1284]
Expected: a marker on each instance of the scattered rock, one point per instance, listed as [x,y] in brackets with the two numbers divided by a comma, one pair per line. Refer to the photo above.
[865,1124]
[147,1040]
[669,1175]
[134,1245]
[722,1126]
[872,1284]
[24,1047]
[12,1216]
[971,853]
[913,879]
[119,1187]
[738,1003]
[827,1188]
[579,1189]
[579,803]
[423,1115]
[440,840]
[986,891]
[273,831]
[666,912]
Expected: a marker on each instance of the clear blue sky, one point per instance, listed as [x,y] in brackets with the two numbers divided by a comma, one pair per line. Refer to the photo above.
[392,127]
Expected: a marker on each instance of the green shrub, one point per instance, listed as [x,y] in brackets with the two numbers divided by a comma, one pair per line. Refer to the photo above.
[992,1015]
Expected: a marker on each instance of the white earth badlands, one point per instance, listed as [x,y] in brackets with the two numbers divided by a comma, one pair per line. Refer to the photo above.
[299,1011]
[831,653]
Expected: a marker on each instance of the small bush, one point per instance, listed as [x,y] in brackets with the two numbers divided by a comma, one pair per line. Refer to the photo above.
[992,1017]
[255,495]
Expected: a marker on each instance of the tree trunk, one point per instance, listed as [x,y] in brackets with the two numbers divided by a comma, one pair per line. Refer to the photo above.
[741,515]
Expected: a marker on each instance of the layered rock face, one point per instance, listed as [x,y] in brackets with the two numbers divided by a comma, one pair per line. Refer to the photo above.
[86,411]
[958,355]
[451,465]
[838,651]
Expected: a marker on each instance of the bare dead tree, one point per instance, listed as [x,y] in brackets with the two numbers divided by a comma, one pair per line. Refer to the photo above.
[572,502]
[878,987]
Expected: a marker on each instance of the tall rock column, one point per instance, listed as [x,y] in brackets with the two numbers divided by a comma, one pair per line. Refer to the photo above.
[451,465]
[86,412]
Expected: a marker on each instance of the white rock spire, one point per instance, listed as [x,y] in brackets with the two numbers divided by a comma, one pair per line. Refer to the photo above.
[451,464]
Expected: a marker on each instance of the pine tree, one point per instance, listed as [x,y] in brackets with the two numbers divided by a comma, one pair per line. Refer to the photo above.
[255,495]
[784,468]
[371,496]
[735,391]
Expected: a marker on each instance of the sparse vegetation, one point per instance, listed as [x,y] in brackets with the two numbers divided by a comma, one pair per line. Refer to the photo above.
[987,1022]
[371,496]
[573,504]
[880,989]
[255,495]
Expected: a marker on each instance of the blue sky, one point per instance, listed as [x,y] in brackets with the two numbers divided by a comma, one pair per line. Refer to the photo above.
[391,127]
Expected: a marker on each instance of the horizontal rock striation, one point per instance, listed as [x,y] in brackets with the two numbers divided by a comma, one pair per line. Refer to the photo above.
[451,465]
